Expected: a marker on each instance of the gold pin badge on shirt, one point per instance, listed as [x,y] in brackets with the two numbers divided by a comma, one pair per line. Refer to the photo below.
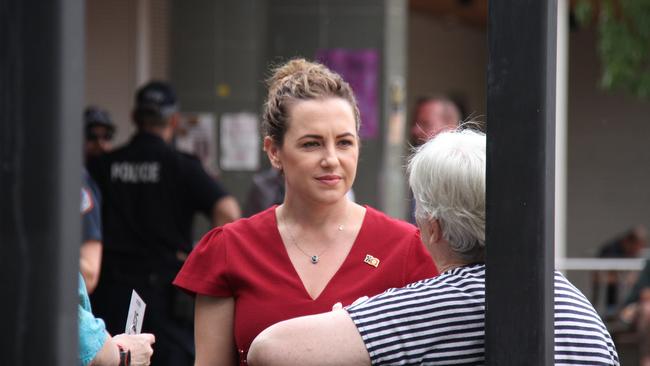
[370,260]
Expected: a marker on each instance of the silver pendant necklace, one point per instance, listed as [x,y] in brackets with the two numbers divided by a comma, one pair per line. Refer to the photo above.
[313,258]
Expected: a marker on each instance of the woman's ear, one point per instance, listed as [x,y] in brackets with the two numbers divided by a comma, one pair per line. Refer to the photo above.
[272,151]
[436,231]
[429,231]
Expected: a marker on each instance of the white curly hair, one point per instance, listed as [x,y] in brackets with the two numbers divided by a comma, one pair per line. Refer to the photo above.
[447,177]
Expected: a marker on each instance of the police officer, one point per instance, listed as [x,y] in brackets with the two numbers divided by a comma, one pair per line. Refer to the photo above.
[99,130]
[150,194]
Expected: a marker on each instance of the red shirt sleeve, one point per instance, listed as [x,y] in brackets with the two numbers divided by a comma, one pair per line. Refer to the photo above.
[419,265]
[205,271]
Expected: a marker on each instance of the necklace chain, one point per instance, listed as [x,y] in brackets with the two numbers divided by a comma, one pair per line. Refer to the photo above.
[313,258]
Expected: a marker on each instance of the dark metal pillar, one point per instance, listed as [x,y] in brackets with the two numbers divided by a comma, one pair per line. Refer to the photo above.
[41,96]
[520,182]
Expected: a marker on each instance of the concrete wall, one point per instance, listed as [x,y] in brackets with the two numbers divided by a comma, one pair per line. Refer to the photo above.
[449,58]
[110,60]
[608,154]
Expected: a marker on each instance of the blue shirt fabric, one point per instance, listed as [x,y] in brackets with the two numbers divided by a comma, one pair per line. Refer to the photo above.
[92,331]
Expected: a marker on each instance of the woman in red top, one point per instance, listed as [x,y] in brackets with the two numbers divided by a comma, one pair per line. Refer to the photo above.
[314,250]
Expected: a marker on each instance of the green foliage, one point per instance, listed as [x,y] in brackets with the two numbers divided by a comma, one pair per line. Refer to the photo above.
[624,43]
[583,12]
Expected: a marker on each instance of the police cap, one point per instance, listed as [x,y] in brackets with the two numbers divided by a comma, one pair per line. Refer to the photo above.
[158,97]
[95,116]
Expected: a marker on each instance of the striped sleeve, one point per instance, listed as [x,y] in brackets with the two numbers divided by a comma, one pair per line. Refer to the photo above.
[580,336]
[441,321]
[434,321]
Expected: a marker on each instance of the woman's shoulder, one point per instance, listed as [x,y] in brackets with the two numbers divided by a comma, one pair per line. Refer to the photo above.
[250,232]
[258,221]
[380,220]
[238,234]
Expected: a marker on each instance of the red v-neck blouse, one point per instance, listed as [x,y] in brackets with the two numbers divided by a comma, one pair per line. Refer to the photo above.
[248,261]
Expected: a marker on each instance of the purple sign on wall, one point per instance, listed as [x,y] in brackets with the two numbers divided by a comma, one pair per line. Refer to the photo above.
[360,68]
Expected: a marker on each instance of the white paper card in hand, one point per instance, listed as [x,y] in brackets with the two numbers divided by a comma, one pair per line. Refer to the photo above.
[136,314]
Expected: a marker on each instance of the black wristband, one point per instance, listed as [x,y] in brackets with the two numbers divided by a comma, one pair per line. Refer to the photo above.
[125,356]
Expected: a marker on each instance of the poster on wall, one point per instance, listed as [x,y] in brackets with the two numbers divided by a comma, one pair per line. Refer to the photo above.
[360,68]
[240,141]
[196,135]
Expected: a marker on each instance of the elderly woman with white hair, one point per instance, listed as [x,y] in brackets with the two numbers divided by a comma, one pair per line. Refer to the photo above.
[439,320]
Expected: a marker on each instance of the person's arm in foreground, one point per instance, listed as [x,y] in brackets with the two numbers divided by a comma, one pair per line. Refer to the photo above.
[225,210]
[138,344]
[90,262]
[213,331]
[322,339]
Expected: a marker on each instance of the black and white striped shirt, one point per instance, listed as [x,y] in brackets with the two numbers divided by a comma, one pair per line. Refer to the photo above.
[441,321]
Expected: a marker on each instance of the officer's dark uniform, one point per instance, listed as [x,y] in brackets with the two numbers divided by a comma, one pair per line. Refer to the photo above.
[150,194]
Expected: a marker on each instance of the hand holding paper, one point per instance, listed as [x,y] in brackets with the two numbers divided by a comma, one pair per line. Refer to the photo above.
[136,314]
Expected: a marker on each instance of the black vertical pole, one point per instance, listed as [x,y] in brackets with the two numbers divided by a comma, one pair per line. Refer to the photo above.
[41,96]
[520,182]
